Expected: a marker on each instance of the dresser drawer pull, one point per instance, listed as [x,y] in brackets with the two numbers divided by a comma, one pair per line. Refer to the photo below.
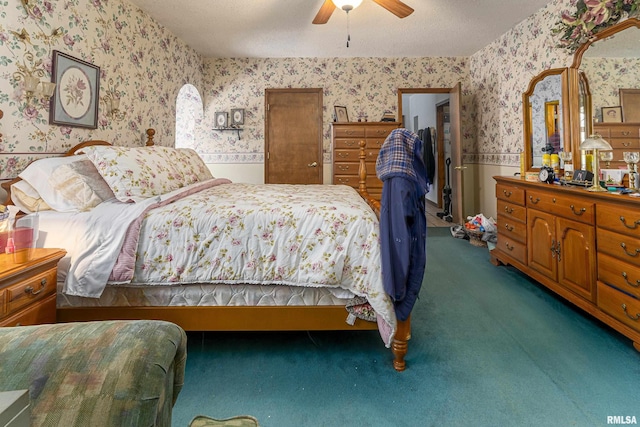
[29,289]
[624,247]
[508,210]
[636,317]
[509,247]
[626,144]
[343,167]
[508,227]
[636,285]
[535,202]
[580,212]
[635,224]
[344,181]
[343,155]
[507,194]
[350,132]
[625,133]
[350,143]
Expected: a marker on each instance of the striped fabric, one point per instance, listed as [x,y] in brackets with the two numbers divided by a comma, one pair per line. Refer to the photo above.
[112,373]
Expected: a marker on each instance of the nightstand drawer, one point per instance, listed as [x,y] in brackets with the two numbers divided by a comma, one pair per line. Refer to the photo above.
[30,290]
[43,311]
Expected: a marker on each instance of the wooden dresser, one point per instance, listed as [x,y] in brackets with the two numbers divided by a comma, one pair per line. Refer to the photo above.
[346,139]
[622,137]
[584,246]
[28,289]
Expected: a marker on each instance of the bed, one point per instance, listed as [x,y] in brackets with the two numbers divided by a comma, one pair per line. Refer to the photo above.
[305,258]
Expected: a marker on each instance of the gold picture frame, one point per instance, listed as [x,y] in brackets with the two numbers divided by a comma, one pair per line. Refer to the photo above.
[341,114]
[630,103]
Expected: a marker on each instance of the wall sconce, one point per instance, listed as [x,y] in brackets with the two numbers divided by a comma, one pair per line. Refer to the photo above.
[30,76]
[34,87]
[112,102]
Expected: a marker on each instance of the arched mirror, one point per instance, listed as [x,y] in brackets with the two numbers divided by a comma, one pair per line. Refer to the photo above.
[546,111]
[608,65]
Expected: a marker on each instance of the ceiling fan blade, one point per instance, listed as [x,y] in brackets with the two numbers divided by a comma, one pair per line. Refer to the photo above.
[324,13]
[396,7]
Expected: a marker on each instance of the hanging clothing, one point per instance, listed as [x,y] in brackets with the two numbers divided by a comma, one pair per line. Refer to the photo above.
[403,222]
[427,155]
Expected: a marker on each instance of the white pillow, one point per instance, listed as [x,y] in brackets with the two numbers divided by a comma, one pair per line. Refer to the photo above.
[37,175]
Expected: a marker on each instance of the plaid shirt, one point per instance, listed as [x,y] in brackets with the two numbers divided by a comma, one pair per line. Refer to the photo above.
[401,155]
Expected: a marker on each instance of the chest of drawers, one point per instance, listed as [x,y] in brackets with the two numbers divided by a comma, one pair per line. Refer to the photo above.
[28,290]
[583,246]
[346,139]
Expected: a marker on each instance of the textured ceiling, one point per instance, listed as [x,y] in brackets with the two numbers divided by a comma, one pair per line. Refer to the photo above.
[283,28]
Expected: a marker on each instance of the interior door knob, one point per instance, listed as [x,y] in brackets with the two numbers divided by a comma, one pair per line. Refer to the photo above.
[313,165]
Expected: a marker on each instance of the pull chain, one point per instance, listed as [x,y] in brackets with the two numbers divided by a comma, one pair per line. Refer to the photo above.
[348,30]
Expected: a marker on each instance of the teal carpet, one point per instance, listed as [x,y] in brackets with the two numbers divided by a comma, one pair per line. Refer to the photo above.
[489,348]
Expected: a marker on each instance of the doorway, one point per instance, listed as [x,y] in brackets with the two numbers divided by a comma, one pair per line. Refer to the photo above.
[444,103]
[293,136]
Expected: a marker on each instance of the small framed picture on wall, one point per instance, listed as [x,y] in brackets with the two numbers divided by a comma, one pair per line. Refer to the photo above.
[237,116]
[222,119]
[341,114]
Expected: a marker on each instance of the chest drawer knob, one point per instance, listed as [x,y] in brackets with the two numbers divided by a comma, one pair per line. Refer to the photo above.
[506,194]
[580,212]
[508,210]
[30,291]
[508,227]
[635,285]
[636,317]
[633,226]
[535,202]
[624,248]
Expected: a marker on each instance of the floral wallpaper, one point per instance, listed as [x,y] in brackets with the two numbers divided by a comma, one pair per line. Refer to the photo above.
[500,74]
[366,86]
[139,59]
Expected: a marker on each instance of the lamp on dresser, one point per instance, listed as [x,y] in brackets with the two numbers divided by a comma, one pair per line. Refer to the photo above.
[594,143]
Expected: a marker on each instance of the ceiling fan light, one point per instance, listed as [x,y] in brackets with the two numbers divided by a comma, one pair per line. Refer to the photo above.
[347,4]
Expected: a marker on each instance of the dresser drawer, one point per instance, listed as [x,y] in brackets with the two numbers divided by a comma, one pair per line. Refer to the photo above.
[624,131]
[44,311]
[513,248]
[348,131]
[619,305]
[618,218]
[511,194]
[624,248]
[374,143]
[378,131]
[351,144]
[573,208]
[512,229]
[26,292]
[346,168]
[621,275]
[621,145]
[511,210]
[354,181]
[346,155]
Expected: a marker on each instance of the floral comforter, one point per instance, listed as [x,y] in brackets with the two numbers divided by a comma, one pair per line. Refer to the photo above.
[301,235]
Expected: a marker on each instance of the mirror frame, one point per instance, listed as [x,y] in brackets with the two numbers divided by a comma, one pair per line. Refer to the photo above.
[526,113]
[575,76]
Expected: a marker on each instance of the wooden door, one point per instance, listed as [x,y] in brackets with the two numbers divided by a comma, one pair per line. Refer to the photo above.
[541,238]
[293,136]
[576,255]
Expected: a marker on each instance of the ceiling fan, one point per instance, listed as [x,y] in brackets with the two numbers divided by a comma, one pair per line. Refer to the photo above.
[396,7]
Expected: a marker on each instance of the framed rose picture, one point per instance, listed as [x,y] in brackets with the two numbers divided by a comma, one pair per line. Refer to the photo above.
[75,100]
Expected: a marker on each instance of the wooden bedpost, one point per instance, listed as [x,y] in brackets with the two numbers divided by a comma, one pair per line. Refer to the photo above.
[150,133]
[400,343]
[403,333]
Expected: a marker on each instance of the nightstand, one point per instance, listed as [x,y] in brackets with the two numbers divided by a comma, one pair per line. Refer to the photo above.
[28,290]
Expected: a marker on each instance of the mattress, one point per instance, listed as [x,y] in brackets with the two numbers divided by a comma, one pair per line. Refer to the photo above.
[206,295]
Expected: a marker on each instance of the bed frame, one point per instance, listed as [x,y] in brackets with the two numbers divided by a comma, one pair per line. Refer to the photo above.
[242,318]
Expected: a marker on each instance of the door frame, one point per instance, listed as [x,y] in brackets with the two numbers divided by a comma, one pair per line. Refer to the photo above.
[456,146]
